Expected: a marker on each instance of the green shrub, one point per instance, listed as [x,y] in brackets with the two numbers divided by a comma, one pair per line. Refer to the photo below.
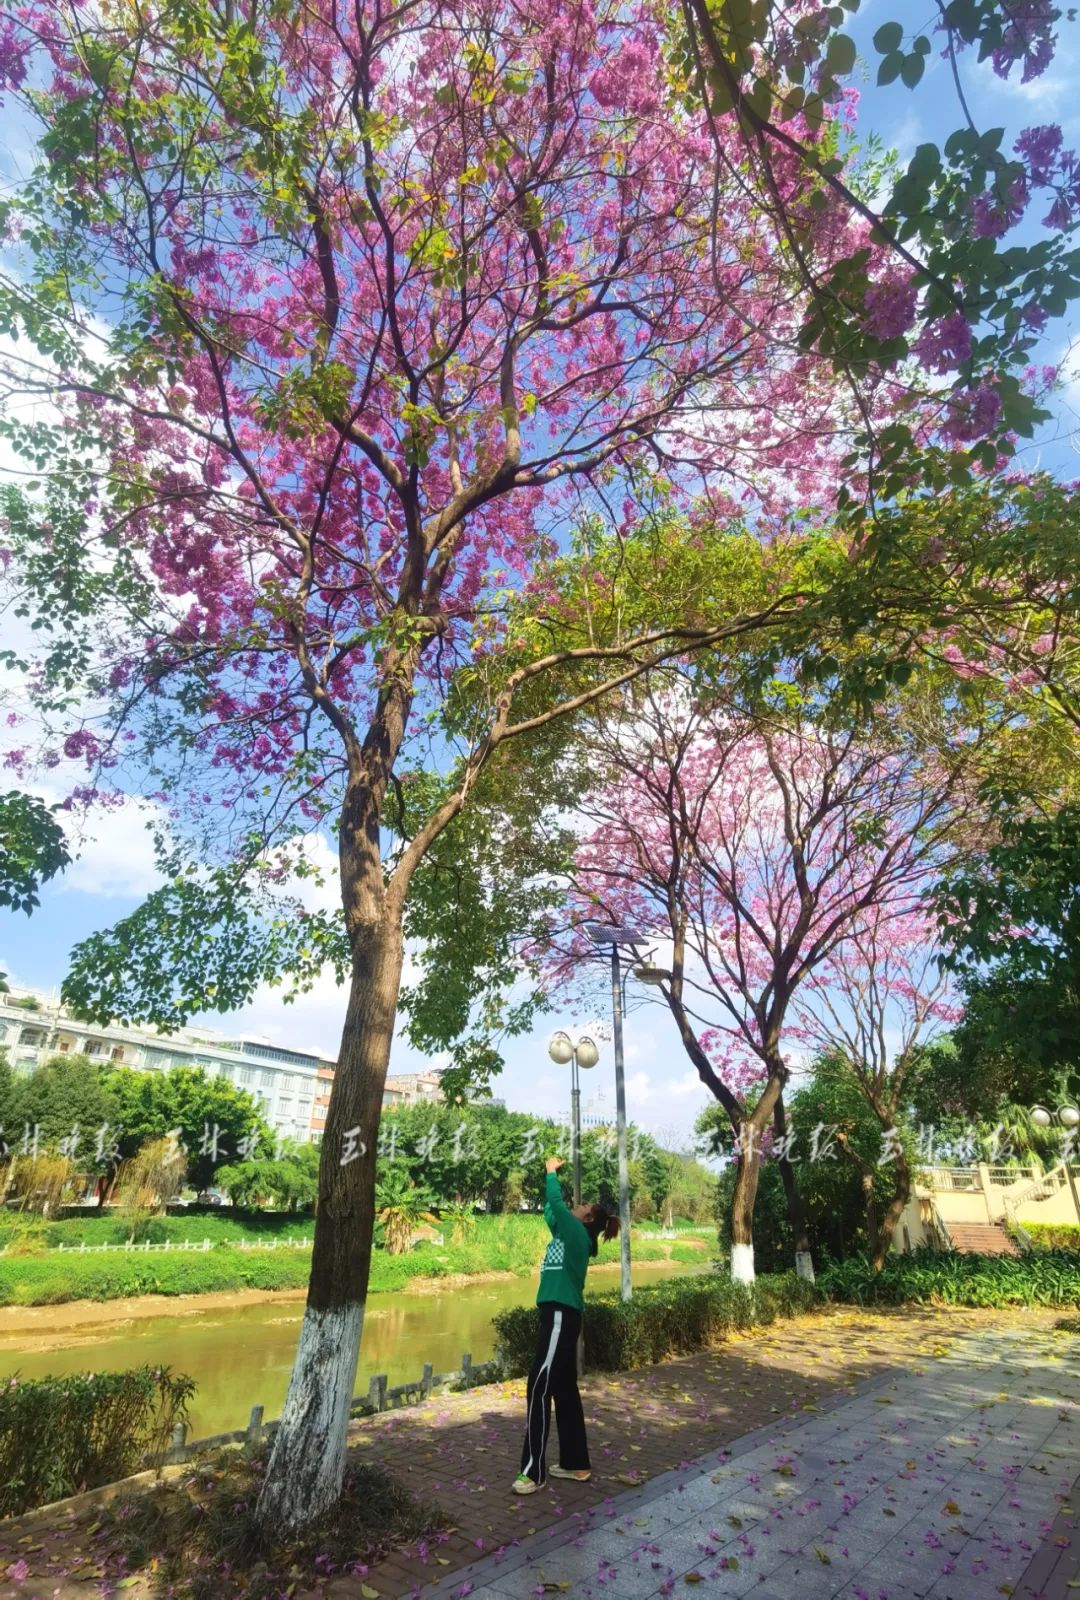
[929,1277]
[61,1435]
[669,1319]
[1053,1235]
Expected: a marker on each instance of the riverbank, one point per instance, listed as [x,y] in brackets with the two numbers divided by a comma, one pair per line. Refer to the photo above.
[45,1325]
[494,1247]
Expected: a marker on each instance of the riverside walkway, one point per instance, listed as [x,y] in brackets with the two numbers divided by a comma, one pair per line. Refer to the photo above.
[858,1454]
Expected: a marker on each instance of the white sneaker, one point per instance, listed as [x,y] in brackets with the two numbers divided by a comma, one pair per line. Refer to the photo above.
[580,1475]
[524,1485]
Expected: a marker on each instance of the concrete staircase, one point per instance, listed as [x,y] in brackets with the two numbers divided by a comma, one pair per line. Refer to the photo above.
[982,1238]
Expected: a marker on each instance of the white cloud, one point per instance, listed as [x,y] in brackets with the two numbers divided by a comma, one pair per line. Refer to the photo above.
[116,854]
[639,1089]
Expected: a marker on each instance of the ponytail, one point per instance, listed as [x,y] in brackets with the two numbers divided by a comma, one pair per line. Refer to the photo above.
[601,1224]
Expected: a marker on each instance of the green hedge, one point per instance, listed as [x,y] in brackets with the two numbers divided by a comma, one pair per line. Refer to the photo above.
[669,1319]
[1053,1235]
[61,1435]
[946,1278]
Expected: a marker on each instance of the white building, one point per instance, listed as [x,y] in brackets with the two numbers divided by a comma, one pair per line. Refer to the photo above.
[292,1087]
[34,1027]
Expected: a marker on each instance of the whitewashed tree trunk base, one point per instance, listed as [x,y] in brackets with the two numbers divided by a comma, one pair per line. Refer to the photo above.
[307,1463]
[804,1266]
[742,1263]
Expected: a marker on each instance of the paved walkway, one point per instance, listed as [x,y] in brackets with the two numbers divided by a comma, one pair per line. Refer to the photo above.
[462,1451]
[943,1373]
[935,1484]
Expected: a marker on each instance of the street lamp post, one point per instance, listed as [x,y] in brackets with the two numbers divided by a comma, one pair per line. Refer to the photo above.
[602,934]
[579,1052]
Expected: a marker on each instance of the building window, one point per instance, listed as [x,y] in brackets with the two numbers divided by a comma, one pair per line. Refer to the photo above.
[117,1052]
[33,1036]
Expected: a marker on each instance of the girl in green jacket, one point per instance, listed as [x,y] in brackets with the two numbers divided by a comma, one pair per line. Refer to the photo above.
[575,1236]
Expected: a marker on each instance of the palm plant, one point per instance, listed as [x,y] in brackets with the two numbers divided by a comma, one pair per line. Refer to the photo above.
[402,1207]
[462,1220]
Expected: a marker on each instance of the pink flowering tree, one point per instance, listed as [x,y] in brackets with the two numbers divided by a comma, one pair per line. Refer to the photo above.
[869,1006]
[756,848]
[974,239]
[323,328]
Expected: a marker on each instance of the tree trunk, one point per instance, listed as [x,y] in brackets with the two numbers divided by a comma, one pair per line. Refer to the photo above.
[804,1261]
[900,1196]
[742,1217]
[869,1205]
[304,1475]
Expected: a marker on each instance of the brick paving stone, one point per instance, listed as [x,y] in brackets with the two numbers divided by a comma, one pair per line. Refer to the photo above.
[1054,1572]
[655,1426]
[959,1529]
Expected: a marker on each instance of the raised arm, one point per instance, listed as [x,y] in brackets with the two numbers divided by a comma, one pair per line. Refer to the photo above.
[556,1211]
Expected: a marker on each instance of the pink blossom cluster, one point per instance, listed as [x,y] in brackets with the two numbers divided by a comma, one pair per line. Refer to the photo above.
[1028,38]
[1048,166]
[889,308]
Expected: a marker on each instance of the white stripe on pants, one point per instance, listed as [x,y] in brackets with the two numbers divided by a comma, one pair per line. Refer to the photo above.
[545,1371]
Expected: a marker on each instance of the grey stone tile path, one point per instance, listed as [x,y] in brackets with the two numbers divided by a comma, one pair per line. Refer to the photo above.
[934,1484]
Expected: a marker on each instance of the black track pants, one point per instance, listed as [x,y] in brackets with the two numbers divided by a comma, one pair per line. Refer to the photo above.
[554,1377]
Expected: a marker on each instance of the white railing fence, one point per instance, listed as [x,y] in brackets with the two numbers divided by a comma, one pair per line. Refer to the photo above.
[146,1246]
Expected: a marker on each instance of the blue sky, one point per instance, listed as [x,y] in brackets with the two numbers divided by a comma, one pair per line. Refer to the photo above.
[116,867]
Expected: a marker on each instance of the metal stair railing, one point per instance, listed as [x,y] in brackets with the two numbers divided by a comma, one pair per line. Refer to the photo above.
[1039,1189]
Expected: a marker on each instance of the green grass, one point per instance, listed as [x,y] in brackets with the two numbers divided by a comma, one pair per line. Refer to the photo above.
[53,1279]
[496,1244]
[108,1228]
[945,1278]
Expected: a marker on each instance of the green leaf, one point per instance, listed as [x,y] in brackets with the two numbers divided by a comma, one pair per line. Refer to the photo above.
[890,68]
[912,69]
[840,59]
[888,37]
